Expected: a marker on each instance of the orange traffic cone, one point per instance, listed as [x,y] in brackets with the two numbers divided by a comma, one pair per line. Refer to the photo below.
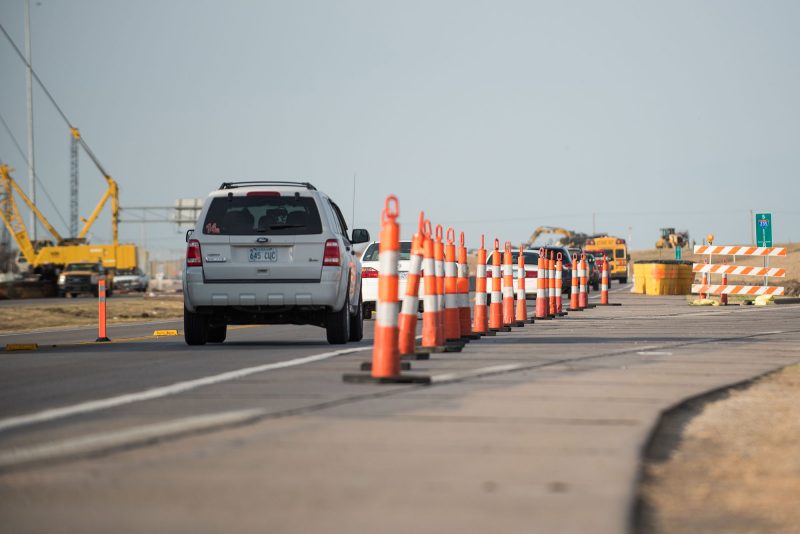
[522,306]
[551,285]
[583,296]
[462,284]
[408,311]
[559,279]
[508,286]
[430,299]
[438,252]
[385,352]
[496,307]
[452,319]
[574,287]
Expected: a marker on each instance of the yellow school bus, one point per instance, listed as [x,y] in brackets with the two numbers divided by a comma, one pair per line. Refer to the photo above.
[616,250]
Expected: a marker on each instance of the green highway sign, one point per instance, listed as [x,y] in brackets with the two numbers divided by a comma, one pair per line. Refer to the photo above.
[763,229]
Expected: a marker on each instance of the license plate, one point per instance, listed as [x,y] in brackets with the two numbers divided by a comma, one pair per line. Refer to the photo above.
[264,254]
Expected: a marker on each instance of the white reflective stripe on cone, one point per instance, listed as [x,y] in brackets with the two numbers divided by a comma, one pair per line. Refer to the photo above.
[496,296]
[450,269]
[496,271]
[480,271]
[388,262]
[386,313]
[520,294]
[410,305]
[451,300]
[480,299]
[430,303]
[415,264]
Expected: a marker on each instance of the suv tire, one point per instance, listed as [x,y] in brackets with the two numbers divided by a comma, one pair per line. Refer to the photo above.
[357,322]
[337,324]
[195,328]
[623,280]
[217,333]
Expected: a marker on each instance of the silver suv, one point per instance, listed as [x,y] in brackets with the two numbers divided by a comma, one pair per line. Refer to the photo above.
[271,253]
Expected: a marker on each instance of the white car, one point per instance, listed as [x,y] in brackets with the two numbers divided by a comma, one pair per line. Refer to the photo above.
[370,269]
[531,271]
[271,253]
[130,280]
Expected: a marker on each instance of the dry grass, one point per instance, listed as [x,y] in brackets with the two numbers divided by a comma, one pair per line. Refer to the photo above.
[737,468]
[791,262]
[85,313]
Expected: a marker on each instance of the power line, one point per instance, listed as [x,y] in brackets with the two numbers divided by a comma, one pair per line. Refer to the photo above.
[35,175]
[53,100]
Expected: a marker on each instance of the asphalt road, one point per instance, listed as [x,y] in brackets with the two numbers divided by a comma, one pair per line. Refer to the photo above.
[536,430]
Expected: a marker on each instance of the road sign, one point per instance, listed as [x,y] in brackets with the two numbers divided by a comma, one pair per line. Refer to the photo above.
[763,229]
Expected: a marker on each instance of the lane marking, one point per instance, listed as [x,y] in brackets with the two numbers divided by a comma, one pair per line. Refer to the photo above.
[164,391]
[128,437]
[654,353]
[451,377]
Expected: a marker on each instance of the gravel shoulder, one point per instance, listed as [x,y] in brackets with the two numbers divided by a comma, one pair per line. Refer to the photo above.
[728,463]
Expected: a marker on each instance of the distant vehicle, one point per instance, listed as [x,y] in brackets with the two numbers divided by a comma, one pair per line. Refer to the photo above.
[370,269]
[77,278]
[271,253]
[616,251]
[131,280]
[672,239]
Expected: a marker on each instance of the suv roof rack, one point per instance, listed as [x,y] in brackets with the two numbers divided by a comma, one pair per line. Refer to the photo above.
[234,185]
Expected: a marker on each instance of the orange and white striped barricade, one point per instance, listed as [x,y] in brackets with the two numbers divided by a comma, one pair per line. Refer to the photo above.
[707,268]
[551,285]
[385,351]
[559,277]
[542,312]
[574,291]
[583,296]
[522,304]
[452,314]
[102,335]
[410,306]
[431,339]
[481,319]
[465,312]
[496,306]
[508,285]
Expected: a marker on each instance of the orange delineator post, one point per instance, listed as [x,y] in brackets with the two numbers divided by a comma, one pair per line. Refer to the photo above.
[583,297]
[551,285]
[452,319]
[496,308]
[558,277]
[101,311]
[430,300]
[704,278]
[438,252]
[604,283]
[462,285]
[522,306]
[385,366]
[508,285]
[723,298]
[541,286]
[408,311]
[481,316]
[574,288]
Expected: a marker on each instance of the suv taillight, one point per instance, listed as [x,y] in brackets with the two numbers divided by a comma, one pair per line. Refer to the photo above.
[194,257]
[369,272]
[332,257]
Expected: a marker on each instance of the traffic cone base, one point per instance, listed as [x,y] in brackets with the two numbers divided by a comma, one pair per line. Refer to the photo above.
[404,366]
[359,378]
[417,355]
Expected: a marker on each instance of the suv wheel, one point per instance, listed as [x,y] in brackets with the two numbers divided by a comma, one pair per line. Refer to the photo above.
[217,333]
[337,325]
[195,328]
[623,280]
[357,322]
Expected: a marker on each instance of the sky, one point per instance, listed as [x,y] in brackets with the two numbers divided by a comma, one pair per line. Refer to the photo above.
[493,117]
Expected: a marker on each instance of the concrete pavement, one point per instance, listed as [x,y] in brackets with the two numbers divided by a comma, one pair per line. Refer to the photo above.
[537,430]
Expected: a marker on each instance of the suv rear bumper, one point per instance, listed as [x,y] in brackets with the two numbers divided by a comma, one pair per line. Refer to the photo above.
[203,294]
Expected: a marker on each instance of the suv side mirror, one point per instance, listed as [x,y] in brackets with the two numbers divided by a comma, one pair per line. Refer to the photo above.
[189,233]
[360,235]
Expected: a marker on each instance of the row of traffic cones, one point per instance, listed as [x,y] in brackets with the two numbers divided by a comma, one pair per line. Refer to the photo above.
[447,320]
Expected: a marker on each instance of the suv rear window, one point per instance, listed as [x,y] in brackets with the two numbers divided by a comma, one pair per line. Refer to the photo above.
[262,215]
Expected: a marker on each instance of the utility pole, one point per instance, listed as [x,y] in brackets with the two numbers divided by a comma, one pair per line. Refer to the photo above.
[29,80]
[73,182]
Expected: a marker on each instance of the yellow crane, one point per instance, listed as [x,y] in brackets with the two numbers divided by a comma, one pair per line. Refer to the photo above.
[570,239]
[59,251]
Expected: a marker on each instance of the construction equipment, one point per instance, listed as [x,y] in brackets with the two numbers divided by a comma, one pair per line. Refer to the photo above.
[51,255]
[570,239]
[672,239]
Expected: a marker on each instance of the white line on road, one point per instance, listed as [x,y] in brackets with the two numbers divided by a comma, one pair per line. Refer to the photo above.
[449,377]
[125,438]
[653,353]
[155,393]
